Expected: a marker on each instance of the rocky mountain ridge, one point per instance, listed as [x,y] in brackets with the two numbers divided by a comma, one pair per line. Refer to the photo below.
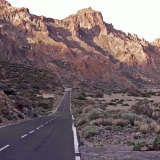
[79,48]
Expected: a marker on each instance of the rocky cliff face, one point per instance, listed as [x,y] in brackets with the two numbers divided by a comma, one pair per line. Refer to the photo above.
[81,47]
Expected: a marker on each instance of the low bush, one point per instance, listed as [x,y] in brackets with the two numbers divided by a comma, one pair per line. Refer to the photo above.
[77,111]
[90,131]
[140,145]
[9,117]
[135,137]
[19,115]
[145,128]
[1,120]
[35,114]
[112,127]
[95,114]
[156,142]
[155,127]
[131,117]
[81,121]
[130,143]
[120,122]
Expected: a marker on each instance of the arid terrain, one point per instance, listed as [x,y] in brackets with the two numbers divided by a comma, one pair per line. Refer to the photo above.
[114,76]
[118,126]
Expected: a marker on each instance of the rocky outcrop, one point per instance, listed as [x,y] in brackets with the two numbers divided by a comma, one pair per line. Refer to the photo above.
[79,47]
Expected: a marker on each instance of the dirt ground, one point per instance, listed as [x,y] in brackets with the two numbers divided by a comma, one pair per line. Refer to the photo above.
[130,100]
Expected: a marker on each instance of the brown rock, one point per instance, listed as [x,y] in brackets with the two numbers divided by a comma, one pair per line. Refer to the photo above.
[78,48]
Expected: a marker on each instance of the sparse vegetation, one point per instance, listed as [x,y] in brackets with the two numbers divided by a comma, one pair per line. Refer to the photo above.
[140,145]
[90,131]
[23,83]
[156,142]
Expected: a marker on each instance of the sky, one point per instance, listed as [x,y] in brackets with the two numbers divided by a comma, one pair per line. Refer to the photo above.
[139,17]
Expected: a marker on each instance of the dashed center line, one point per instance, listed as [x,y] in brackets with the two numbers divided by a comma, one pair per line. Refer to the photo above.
[31,131]
[24,136]
[38,128]
[41,126]
[46,123]
[4,147]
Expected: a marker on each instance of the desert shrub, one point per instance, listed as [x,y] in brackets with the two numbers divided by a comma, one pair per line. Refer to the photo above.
[87,109]
[146,94]
[9,91]
[107,122]
[135,137]
[156,142]
[95,114]
[144,128]
[130,143]
[35,114]
[15,117]
[137,123]
[77,111]
[22,102]
[97,122]
[120,122]
[112,127]
[91,139]
[109,127]
[140,145]
[19,115]
[155,127]
[9,117]
[90,131]
[142,107]
[131,117]
[82,96]
[80,121]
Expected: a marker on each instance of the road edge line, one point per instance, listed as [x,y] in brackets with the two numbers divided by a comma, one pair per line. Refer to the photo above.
[75,137]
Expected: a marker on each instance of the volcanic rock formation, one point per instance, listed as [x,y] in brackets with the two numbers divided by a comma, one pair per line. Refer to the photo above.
[81,47]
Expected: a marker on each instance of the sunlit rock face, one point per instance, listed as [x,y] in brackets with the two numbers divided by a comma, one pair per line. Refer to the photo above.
[81,47]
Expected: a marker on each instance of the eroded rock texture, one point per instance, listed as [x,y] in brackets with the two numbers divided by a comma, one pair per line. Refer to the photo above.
[81,47]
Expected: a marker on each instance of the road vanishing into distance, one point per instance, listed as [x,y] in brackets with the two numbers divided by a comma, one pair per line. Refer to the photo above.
[46,138]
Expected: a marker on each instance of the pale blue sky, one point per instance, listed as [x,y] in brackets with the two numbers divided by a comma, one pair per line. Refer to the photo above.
[139,17]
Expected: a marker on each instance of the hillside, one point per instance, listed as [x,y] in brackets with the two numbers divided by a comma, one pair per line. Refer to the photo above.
[80,48]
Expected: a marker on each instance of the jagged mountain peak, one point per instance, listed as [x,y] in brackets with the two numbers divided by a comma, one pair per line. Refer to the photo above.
[4,2]
[81,46]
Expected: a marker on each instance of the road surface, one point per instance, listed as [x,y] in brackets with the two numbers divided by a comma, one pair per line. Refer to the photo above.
[45,138]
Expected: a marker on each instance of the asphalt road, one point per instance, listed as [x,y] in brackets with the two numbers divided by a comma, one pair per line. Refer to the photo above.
[45,138]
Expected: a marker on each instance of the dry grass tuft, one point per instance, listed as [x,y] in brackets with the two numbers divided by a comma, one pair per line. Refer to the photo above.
[154,126]
[137,123]
[120,122]
[144,128]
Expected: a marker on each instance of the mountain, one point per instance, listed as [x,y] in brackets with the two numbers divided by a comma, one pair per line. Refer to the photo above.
[79,49]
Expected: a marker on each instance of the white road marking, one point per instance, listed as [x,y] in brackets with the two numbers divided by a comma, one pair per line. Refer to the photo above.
[4,147]
[41,126]
[38,128]
[76,145]
[31,131]
[46,123]
[3,126]
[24,136]
[77,158]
